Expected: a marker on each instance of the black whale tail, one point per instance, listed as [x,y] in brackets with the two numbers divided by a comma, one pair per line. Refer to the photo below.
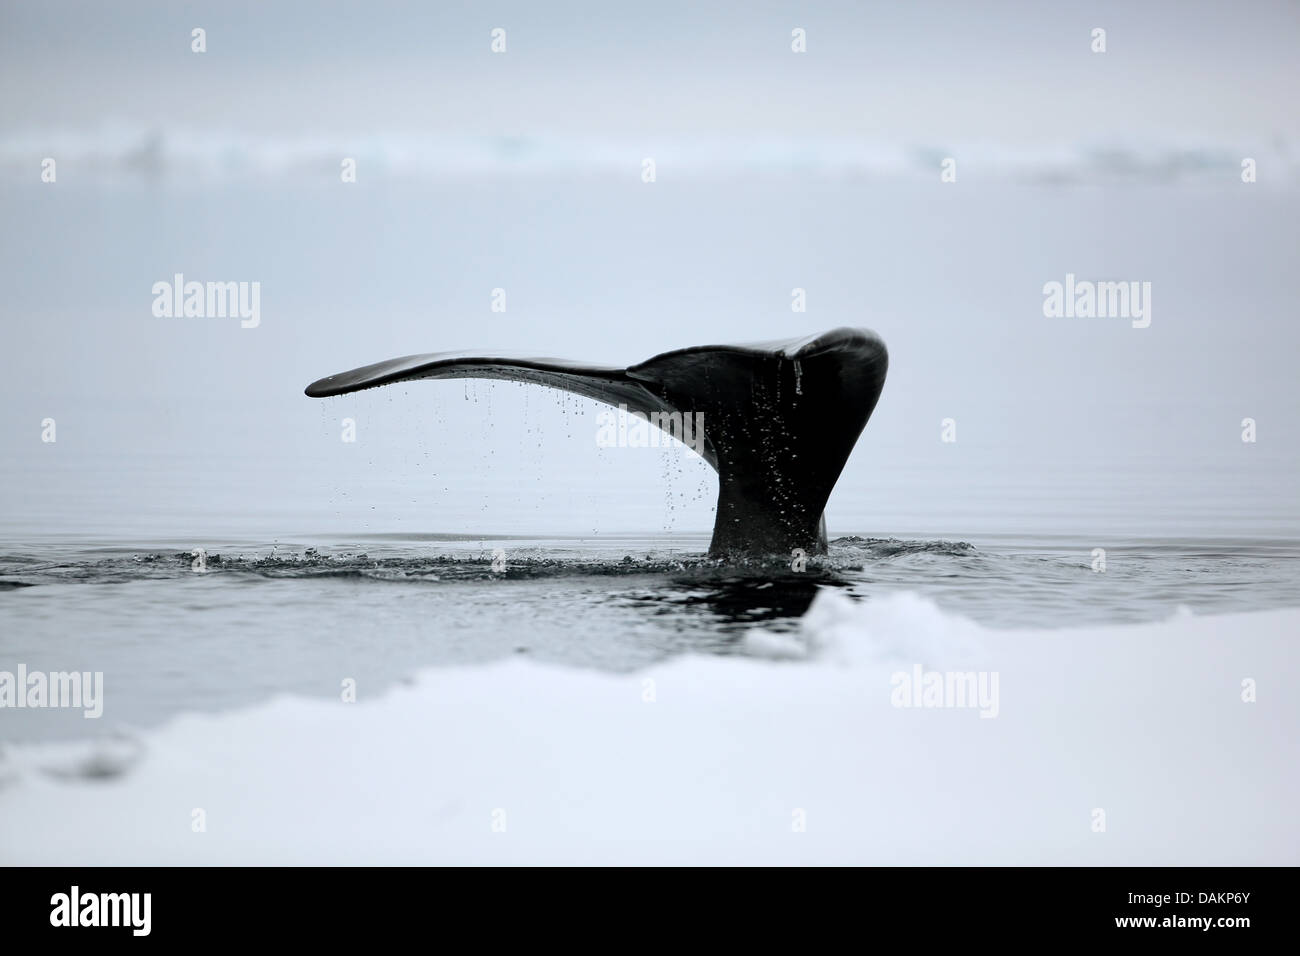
[780,418]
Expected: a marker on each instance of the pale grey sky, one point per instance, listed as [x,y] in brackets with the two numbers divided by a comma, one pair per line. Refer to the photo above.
[1012,72]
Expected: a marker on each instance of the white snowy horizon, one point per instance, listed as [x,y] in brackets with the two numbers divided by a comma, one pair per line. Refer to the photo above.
[182,156]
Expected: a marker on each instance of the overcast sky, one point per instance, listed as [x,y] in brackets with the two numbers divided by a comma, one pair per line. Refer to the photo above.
[1013,72]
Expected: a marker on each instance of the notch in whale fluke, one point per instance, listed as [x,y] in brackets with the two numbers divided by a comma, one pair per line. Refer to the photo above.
[780,418]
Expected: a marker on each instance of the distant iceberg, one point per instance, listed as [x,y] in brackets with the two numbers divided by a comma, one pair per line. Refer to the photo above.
[201,155]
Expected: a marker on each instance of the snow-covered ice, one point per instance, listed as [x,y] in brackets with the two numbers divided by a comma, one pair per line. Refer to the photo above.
[729,760]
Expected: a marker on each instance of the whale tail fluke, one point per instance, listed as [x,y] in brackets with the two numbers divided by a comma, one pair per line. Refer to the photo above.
[780,418]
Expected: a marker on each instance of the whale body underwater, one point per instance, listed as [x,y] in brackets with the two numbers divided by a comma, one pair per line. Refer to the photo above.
[780,418]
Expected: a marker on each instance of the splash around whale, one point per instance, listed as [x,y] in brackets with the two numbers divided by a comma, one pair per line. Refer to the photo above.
[780,418]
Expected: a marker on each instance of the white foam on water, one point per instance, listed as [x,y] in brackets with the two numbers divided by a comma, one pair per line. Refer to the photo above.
[726,759]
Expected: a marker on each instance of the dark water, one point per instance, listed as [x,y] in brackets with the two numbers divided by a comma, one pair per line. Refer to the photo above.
[265,619]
